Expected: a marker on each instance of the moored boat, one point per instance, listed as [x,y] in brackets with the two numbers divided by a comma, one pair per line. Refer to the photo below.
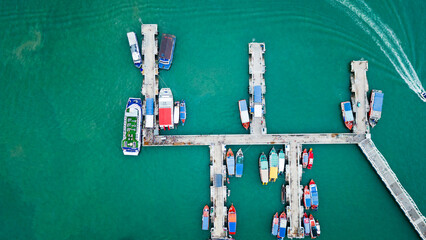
[182,112]
[230,162]
[205,219]
[318,227]
[245,120]
[167,48]
[134,49]
[131,143]
[283,194]
[306,198]
[239,166]
[314,233]
[176,113]
[263,169]
[273,165]
[281,158]
[165,111]
[314,195]
[376,104]
[275,225]
[232,220]
[348,116]
[304,158]
[310,158]
[306,224]
[283,226]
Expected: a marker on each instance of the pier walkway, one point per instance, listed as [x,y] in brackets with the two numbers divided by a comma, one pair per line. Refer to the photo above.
[401,196]
[257,88]
[150,77]
[293,177]
[218,191]
[359,89]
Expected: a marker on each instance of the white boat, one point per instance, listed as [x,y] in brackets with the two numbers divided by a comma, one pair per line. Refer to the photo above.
[165,109]
[131,143]
[176,113]
[134,49]
[281,161]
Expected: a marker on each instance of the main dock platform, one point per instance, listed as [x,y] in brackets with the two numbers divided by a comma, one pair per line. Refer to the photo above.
[258,136]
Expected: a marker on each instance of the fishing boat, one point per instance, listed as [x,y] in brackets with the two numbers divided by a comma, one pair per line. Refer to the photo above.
[304,158]
[310,158]
[232,220]
[314,232]
[205,219]
[245,120]
[283,226]
[281,160]
[165,111]
[314,195]
[167,48]
[318,227]
[263,169]
[273,165]
[239,166]
[134,49]
[306,198]
[306,224]
[230,162]
[275,225]
[131,143]
[376,104]
[283,194]
[182,112]
[176,113]
[348,116]
[423,96]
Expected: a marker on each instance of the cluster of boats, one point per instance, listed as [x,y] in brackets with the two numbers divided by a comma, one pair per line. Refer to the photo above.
[235,168]
[307,158]
[269,172]
[232,219]
[310,196]
[279,225]
[311,226]
[375,113]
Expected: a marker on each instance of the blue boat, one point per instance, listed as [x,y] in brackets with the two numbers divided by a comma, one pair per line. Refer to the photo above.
[230,162]
[376,105]
[167,48]
[306,224]
[283,226]
[182,112]
[275,224]
[239,166]
[314,195]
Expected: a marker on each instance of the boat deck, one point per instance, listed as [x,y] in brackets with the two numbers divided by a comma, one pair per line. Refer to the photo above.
[150,74]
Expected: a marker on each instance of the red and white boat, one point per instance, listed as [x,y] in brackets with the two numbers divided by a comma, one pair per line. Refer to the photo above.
[307,198]
[313,225]
[245,121]
[306,224]
[304,158]
[310,159]
[205,219]
[232,220]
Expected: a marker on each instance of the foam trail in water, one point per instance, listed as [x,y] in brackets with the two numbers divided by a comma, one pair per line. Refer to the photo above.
[386,40]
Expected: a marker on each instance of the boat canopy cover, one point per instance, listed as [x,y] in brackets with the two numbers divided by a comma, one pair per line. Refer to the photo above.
[264,165]
[230,162]
[378,101]
[243,105]
[205,223]
[257,94]
[166,118]
[232,226]
[218,180]
[166,47]
[347,106]
[149,106]
[348,112]
[182,112]
[239,169]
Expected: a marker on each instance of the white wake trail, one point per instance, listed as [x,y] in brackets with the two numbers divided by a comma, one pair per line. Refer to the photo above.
[386,40]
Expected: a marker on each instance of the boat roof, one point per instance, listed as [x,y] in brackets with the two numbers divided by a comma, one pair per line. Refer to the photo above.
[150,106]
[378,101]
[166,47]
[243,105]
[257,94]
[263,165]
[347,106]
[165,116]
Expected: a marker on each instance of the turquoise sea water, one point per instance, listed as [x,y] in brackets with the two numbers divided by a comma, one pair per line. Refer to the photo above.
[66,75]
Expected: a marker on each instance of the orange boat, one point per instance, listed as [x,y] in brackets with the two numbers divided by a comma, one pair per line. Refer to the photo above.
[232,220]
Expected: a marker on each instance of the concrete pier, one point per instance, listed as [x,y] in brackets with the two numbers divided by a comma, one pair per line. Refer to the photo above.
[359,89]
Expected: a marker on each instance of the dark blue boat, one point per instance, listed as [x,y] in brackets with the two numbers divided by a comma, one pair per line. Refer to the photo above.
[167,48]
